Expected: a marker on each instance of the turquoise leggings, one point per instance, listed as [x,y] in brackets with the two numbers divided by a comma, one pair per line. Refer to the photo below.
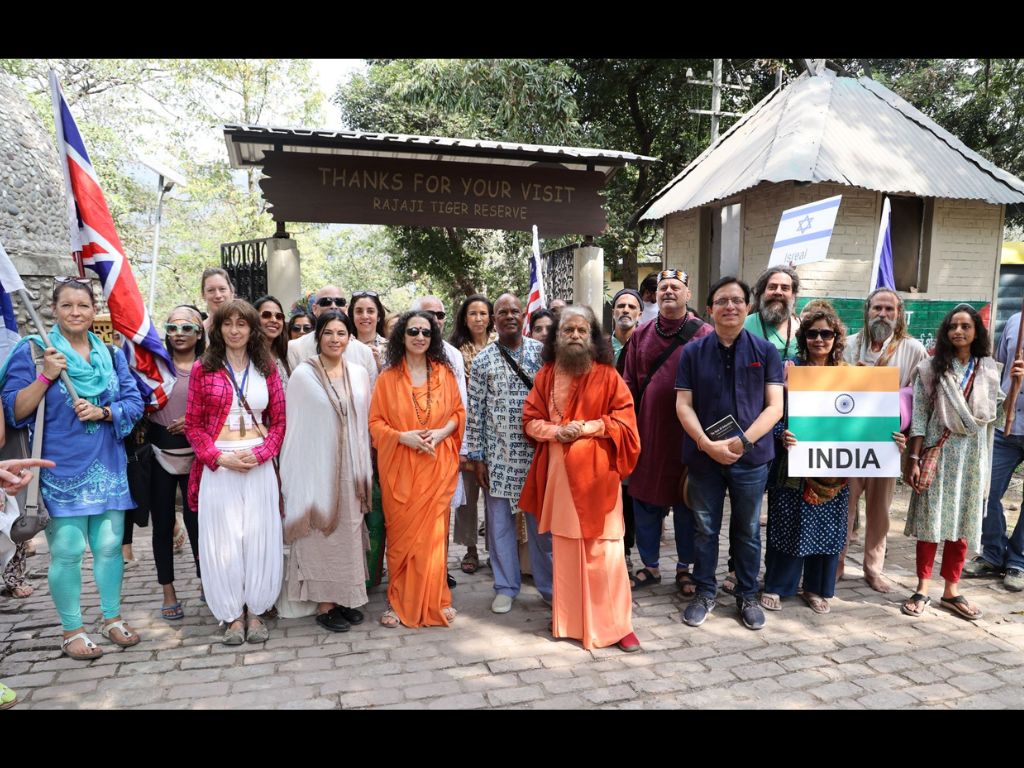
[66,537]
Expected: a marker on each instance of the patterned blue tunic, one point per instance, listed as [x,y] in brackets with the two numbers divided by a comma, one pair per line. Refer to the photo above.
[91,473]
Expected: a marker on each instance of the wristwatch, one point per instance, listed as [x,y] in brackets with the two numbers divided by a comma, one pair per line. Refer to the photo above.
[747,445]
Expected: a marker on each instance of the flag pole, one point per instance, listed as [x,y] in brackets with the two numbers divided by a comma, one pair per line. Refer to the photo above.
[34,316]
[58,125]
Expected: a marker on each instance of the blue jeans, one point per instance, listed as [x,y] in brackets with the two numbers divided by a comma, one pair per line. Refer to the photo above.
[996,548]
[503,546]
[707,492]
[648,517]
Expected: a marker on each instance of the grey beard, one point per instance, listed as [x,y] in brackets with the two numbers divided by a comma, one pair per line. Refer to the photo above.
[881,329]
[773,314]
[574,360]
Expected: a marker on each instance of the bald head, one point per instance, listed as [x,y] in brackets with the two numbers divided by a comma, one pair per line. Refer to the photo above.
[328,292]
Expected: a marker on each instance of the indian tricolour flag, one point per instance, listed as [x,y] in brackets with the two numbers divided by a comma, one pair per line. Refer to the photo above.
[843,418]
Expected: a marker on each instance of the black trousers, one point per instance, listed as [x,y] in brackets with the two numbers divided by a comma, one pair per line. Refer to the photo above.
[165,489]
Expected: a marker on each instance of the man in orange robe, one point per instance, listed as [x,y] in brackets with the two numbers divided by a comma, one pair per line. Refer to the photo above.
[417,485]
[580,416]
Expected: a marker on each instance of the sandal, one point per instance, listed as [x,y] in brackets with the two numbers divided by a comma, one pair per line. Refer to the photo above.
[390,619]
[234,636]
[649,579]
[8,698]
[449,613]
[128,638]
[685,583]
[470,563]
[93,652]
[816,603]
[172,612]
[257,632]
[729,585]
[919,601]
[770,601]
[961,607]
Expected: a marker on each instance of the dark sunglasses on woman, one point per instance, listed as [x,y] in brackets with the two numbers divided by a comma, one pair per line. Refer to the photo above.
[266,314]
[819,333]
[427,333]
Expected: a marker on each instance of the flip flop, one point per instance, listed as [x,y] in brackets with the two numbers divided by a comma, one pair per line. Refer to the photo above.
[649,579]
[961,607]
[172,612]
[916,598]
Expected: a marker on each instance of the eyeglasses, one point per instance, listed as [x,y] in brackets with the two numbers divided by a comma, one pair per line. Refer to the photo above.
[736,301]
[427,333]
[327,301]
[440,315]
[825,334]
[674,274]
[361,294]
[266,314]
[186,329]
[305,327]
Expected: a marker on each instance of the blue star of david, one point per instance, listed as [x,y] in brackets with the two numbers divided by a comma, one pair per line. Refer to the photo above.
[804,224]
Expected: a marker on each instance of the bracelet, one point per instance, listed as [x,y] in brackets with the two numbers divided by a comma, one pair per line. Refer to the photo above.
[43,379]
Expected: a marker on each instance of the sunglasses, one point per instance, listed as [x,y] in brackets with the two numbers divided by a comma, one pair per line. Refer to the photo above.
[186,329]
[327,301]
[438,315]
[361,294]
[824,334]
[305,328]
[266,314]
[427,333]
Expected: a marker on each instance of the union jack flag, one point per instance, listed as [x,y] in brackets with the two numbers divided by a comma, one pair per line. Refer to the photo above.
[535,300]
[96,245]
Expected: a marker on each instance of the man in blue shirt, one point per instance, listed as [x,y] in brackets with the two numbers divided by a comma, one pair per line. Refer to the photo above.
[733,373]
[1001,554]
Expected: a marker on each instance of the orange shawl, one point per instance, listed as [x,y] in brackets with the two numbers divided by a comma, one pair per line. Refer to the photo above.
[417,490]
[596,466]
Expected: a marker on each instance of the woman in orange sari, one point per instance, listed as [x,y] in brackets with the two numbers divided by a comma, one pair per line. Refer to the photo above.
[416,422]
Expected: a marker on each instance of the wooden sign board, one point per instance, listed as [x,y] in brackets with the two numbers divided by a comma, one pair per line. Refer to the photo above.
[372,190]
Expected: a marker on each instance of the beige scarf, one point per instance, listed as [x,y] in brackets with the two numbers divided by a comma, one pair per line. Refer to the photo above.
[319,510]
[955,413]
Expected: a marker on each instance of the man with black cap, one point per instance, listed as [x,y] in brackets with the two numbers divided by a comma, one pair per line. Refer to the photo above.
[652,358]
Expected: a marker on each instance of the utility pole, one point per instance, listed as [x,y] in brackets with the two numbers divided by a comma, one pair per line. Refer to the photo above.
[715,81]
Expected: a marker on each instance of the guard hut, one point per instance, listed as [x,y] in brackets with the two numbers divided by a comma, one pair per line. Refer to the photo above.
[349,177]
[825,135]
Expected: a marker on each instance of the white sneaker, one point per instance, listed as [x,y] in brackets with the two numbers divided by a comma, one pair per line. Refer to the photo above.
[501,604]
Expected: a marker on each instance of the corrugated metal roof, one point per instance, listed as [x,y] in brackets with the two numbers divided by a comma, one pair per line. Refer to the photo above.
[247,143]
[836,129]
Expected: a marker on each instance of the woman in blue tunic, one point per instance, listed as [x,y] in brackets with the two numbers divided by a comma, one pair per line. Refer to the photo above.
[807,516]
[86,493]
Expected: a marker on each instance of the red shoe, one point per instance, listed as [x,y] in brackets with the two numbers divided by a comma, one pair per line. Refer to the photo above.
[629,644]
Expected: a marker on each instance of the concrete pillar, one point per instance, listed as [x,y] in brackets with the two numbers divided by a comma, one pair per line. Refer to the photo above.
[588,278]
[283,277]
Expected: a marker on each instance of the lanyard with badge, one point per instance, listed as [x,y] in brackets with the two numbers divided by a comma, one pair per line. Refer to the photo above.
[239,422]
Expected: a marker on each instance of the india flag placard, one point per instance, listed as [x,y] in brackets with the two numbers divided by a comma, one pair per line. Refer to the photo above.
[843,418]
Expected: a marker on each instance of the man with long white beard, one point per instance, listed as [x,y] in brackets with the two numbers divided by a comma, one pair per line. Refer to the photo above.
[580,416]
[775,299]
[883,341]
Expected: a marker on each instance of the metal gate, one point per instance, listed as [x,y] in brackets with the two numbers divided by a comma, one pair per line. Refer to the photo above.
[246,262]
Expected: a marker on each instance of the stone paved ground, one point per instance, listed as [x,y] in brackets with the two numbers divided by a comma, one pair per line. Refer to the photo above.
[865,654]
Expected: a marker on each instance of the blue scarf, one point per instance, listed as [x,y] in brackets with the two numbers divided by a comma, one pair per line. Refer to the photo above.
[91,378]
